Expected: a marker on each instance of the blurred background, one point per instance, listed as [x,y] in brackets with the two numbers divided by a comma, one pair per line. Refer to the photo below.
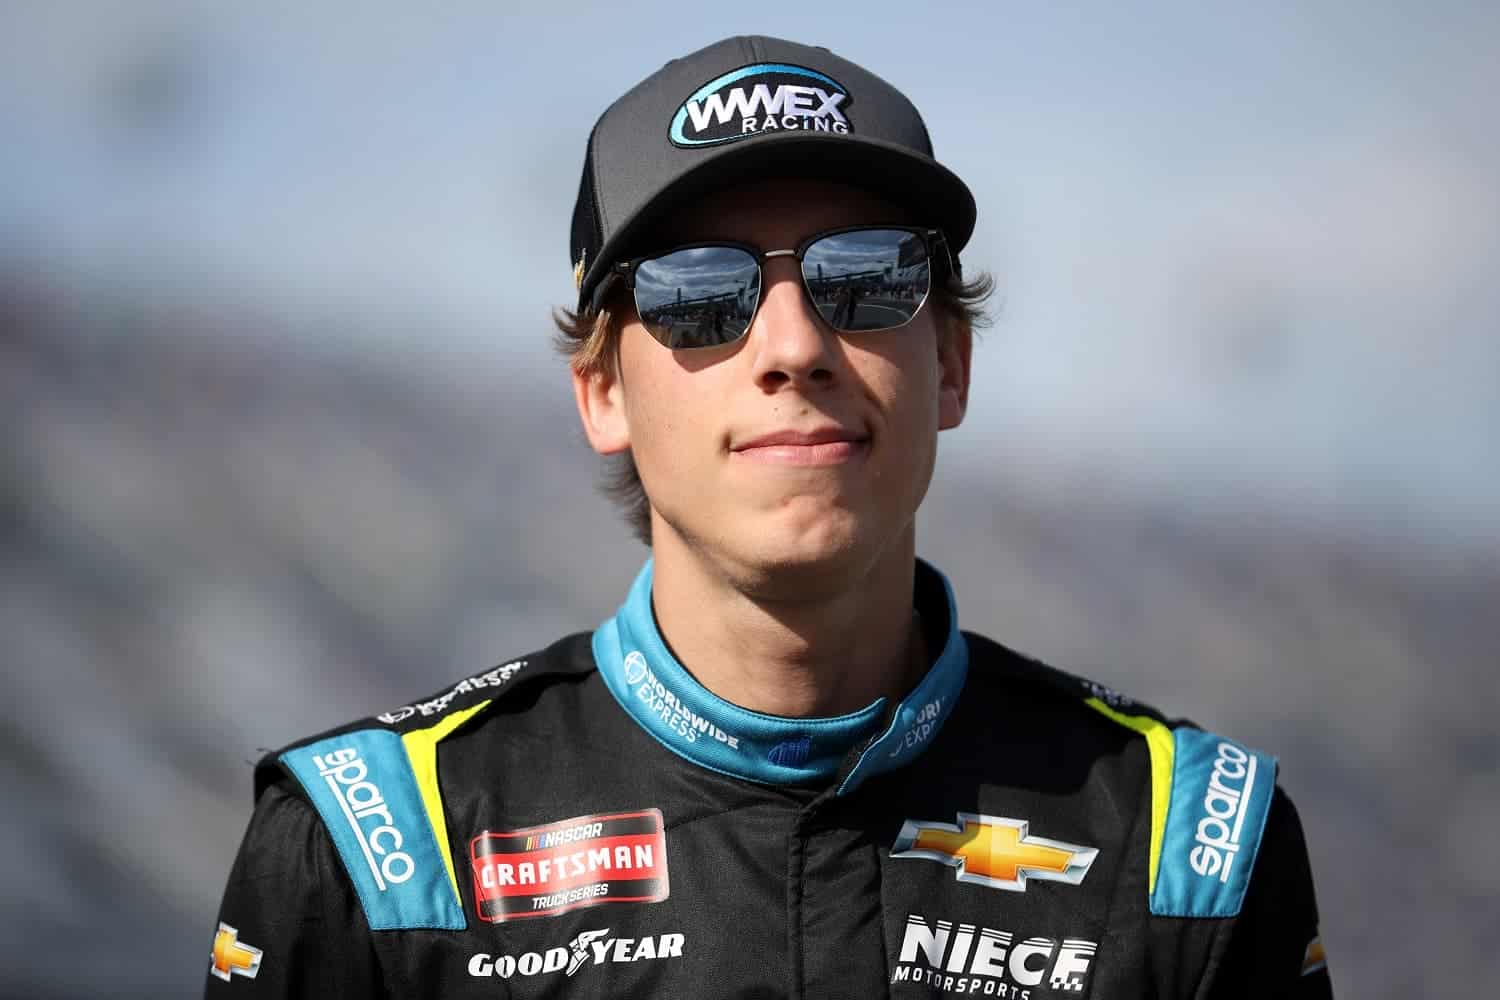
[284,444]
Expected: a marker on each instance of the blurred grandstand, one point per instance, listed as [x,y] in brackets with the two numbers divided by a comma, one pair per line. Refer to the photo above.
[216,544]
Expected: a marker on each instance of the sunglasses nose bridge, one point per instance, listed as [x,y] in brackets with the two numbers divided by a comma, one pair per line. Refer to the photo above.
[786,265]
[784,300]
[781,273]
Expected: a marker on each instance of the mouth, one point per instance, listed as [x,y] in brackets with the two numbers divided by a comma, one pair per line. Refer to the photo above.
[818,446]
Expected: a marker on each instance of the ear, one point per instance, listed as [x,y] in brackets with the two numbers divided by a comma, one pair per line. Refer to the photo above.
[600,396]
[955,349]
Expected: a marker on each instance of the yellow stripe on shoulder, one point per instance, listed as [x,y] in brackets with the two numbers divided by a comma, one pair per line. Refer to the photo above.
[1161,746]
[421,751]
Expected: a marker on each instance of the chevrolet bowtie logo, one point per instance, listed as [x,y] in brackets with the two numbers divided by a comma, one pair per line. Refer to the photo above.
[994,851]
[230,958]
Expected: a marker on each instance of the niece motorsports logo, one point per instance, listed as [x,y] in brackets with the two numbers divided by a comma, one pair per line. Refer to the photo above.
[986,961]
[765,97]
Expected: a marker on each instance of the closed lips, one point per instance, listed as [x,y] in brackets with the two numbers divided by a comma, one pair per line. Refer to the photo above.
[828,446]
[804,439]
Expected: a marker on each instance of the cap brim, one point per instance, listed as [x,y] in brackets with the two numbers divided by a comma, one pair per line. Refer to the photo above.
[896,173]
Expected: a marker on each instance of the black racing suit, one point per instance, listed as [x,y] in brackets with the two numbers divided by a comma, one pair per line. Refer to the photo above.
[589,821]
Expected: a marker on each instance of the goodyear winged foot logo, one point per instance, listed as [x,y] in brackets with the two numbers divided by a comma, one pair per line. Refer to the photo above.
[994,851]
[580,947]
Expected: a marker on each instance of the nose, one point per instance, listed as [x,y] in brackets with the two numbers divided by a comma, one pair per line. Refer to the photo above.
[791,346]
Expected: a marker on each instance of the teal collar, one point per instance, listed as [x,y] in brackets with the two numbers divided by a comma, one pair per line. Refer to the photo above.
[694,723]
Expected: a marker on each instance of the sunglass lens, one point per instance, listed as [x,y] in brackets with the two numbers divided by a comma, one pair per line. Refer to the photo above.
[868,279]
[698,297]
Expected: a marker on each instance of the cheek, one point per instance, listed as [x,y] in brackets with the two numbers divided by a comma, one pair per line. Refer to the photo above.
[651,420]
[665,406]
[903,378]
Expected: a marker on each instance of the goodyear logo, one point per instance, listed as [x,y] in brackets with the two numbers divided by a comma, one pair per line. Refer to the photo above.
[595,947]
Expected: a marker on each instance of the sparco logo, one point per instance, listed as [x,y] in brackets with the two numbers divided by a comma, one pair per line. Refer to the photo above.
[766,97]
[589,945]
[362,804]
[982,961]
[1218,834]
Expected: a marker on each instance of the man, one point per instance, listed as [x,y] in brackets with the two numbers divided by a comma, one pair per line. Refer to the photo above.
[780,769]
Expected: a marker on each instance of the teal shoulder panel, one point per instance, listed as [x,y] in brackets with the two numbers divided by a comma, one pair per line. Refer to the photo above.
[1221,795]
[363,786]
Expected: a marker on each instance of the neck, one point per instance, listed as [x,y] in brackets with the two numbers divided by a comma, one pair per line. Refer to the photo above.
[794,648]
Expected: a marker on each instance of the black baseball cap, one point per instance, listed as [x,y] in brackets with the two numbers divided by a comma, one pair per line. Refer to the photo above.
[745,108]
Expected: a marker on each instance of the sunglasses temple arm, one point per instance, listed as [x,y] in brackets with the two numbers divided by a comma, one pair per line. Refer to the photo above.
[602,290]
[940,242]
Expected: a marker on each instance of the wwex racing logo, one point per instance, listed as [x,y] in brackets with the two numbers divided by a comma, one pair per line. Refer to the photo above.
[766,97]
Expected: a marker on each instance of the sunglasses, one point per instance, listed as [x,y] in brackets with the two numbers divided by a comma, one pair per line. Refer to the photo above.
[861,279]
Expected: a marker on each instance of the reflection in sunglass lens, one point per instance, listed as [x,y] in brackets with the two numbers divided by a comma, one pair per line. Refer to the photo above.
[867,279]
[698,297]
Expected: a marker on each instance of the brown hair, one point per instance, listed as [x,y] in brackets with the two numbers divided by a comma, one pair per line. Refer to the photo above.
[590,342]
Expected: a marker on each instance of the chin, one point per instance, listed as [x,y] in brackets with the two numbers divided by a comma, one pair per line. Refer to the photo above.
[799,548]
[807,557]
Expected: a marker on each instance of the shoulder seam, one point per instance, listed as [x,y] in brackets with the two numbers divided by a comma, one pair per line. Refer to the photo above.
[1020,667]
[1161,746]
[487,686]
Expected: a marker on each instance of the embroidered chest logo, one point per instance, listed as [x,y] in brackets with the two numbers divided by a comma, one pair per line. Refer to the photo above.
[994,851]
[584,861]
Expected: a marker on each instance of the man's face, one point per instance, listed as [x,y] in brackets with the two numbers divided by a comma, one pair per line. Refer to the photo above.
[796,447]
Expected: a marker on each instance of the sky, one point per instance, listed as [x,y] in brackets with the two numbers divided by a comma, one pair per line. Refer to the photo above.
[1245,256]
